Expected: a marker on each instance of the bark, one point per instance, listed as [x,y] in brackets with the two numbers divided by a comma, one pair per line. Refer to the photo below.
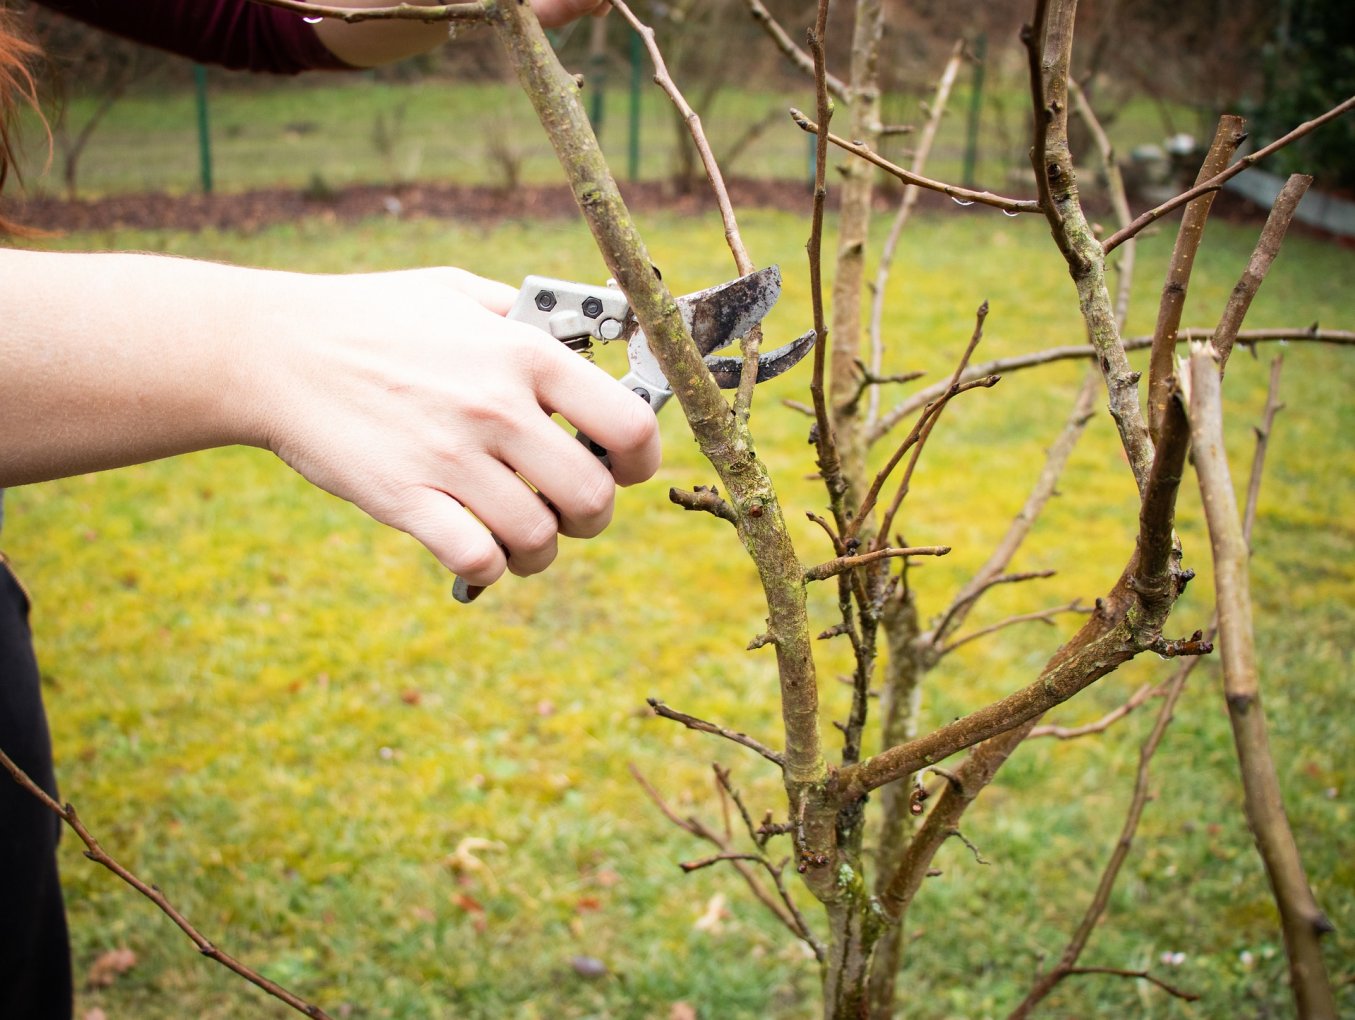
[1302,920]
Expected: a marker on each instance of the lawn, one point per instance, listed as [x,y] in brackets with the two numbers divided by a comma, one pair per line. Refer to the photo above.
[404,807]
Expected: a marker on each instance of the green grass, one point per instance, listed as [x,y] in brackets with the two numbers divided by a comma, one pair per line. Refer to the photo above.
[271,707]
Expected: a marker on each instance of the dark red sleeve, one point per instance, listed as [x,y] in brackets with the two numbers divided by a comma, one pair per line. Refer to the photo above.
[233,33]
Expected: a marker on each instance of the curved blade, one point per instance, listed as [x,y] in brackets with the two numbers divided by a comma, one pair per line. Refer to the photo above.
[719,314]
[769,365]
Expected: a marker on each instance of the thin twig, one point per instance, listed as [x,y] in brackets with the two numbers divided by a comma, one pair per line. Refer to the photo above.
[1046,485]
[664,80]
[1005,366]
[1262,258]
[962,196]
[783,909]
[204,946]
[830,465]
[693,723]
[971,593]
[955,388]
[797,56]
[396,12]
[1216,182]
[1263,431]
[907,203]
[1119,197]
[1100,725]
[844,563]
[1138,975]
[1042,616]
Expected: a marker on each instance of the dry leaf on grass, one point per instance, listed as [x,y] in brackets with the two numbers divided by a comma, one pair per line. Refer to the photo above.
[110,966]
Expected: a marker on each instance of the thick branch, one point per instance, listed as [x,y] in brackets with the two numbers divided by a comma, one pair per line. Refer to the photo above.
[1050,55]
[1172,689]
[722,438]
[96,853]
[1230,134]
[1302,920]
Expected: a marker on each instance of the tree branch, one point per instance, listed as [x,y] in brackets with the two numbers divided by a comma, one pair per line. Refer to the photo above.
[1042,616]
[962,196]
[797,56]
[693,723]
[398,12]
[1100,725]
[1056,459]
[1263,256]
[1216,182]
[1005,366]
[704,499]
[844,563]
[1162,365]
[96,853]
[921,152]
[1303,922]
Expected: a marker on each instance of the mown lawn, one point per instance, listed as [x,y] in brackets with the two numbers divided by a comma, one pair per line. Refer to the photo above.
[403,807]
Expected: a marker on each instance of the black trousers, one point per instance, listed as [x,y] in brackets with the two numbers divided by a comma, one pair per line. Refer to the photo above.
[35,960]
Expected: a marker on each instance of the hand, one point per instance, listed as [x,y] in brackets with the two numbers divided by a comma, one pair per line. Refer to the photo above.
[554,13]
[413,398]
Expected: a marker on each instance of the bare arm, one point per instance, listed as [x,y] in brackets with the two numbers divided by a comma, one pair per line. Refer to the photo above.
[406,393]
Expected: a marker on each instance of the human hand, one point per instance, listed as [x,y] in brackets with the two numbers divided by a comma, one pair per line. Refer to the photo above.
[411,396]
[554,13]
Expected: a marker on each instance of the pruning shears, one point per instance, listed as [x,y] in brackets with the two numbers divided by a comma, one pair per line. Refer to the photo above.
[580,314]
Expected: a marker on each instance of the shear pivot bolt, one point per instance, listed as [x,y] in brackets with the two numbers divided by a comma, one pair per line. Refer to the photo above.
[592,307]
[545,300]
[642,393]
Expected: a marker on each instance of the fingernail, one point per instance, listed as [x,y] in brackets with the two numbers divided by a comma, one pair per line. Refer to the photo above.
[466,593]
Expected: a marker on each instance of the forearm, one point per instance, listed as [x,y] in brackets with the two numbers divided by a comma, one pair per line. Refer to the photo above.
[114,359]
[376,42]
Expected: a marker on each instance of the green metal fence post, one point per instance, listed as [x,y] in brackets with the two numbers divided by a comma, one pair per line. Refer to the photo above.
[204,133]
[971,149]
[637,56]
[597,74]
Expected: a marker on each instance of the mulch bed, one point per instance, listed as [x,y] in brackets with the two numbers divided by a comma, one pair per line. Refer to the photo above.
[254,210]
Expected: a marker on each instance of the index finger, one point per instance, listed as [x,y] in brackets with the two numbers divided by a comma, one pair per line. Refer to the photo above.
[606,412]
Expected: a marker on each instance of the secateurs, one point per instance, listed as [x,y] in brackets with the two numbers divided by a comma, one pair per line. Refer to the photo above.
[578,315]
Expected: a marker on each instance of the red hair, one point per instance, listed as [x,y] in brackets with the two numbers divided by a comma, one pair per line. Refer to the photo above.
[16,86]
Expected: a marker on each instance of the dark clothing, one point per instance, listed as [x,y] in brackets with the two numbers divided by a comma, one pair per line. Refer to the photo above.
[35,965]
[240,35]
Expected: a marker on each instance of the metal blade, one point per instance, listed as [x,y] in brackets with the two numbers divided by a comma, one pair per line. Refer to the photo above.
[718,315]
[769,365]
